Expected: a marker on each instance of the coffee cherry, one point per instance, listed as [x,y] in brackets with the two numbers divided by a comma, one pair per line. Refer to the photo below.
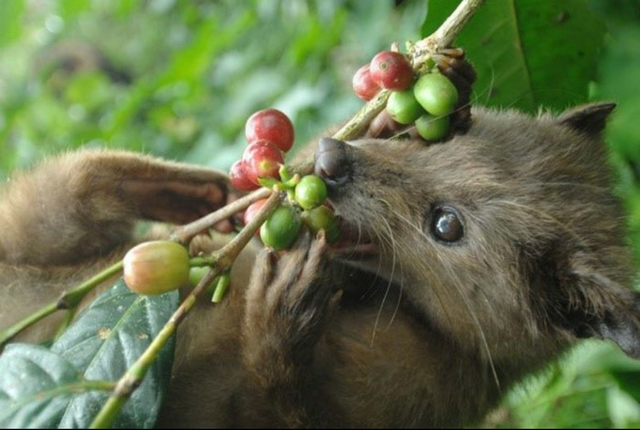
[323,218]
[403,106]
[432,127]
[363,85]
[196,274]
[310,192]
[238,178]
[262,159]
[391,70]
[436,93]
[251,211]
[281,229]
[272,125]
[156,267]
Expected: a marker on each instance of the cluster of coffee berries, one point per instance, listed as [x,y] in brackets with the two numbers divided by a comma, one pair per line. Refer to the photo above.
[426,101]
[306,204]
[270,135]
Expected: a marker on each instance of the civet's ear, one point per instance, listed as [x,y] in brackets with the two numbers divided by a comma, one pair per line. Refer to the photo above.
[589,119]
[595,305]
[623,328]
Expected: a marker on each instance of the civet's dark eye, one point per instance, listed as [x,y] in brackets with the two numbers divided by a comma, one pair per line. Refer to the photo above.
[446,225]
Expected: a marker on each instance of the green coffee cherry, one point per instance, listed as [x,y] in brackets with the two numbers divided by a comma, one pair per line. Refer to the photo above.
[322,218]
[196,274]
[436,94]
[280,230]
[310,192]
[403,106]
[432,127]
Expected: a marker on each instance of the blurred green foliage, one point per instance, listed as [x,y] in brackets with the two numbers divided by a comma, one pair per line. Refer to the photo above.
[178,79]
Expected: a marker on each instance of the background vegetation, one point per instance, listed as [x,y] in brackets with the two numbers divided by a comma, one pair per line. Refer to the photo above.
[178,79]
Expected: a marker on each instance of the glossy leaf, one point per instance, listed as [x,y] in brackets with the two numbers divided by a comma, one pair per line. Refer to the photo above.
[528,53]
[36,385]
[106,340]
[57,387]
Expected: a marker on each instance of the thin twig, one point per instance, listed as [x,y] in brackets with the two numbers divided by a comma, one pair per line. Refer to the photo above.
[228,254]
[224,258]
[449,30]
[361,120]
[185,233]
[69,300]
[134,375]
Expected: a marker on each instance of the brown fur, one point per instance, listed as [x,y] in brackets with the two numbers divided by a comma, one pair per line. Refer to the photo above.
[426,335]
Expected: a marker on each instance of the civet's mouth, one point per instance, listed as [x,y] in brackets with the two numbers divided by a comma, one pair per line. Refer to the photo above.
[354,243]
[331,164]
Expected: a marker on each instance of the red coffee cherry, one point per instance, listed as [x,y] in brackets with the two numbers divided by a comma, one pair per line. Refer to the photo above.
[363,85]
[392,71]
[272,125]
[251,211]
[262,159]
[238,178]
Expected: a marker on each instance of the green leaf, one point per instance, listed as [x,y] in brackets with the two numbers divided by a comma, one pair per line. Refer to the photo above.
[269,182]
[618,82]
[11,18]
[528,53]
[106,339]
[67,385]
[624,411]
[628,381]
[70,9]
[35,386]
[125,8]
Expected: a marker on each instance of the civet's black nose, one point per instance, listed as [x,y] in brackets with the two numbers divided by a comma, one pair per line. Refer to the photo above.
[331,161]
